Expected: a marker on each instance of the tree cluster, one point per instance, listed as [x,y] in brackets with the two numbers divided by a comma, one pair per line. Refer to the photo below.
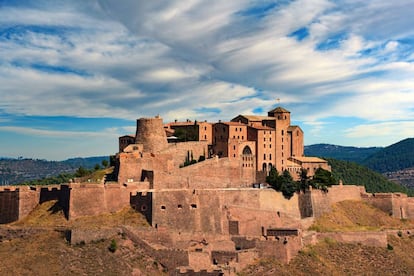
[285,184]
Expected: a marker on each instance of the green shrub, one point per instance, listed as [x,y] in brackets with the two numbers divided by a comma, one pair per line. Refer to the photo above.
[113,246]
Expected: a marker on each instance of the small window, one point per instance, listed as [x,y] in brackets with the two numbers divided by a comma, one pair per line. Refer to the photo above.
[193,206]
[283,132]
[234,147]
[270,146]
[162,207]
[234,155]
[242,137]
[264,156]
[144,208]
[180,206]
[270,156]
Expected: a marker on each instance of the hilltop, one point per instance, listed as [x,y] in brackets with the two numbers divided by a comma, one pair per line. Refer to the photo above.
[346,153]
[393,158]
[15,171]
[395,162]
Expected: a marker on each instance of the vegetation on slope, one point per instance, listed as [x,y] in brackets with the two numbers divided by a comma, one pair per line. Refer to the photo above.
[353,215]
[333,258]
[47,253]
[14,171]
[354,174]
[392,158]
[50,214]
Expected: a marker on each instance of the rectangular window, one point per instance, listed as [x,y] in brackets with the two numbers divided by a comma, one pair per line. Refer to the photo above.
[264,156]
[270,156]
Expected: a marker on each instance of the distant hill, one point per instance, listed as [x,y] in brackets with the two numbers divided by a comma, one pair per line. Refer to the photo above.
[354,154]
[355,174]
[14,171]
[393,158]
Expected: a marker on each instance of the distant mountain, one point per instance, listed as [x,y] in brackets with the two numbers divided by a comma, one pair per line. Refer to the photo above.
[393,158]
[354,154]
[14,171]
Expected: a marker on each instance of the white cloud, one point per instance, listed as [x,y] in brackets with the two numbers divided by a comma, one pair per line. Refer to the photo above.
[208,59]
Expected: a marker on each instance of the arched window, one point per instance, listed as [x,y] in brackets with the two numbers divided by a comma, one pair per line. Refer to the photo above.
[247,150]
[264,167]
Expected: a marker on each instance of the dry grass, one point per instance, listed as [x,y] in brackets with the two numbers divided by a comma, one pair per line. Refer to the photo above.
[50,214]
[357,216]
[47,253]
[332,258]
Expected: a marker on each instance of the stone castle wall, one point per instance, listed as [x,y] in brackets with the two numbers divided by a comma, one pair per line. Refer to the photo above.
[321,201]
[209,211]
[9,205]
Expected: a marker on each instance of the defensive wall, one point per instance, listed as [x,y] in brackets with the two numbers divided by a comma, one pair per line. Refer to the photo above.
[76,200]
[397,205]
[248,210]
[160,171]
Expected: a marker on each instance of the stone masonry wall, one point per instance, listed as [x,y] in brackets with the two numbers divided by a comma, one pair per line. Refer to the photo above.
[9,205]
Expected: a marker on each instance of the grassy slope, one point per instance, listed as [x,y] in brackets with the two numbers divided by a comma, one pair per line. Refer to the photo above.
[357,216]
[47,253]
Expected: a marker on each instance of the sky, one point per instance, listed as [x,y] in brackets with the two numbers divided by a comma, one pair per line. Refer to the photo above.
[75,75]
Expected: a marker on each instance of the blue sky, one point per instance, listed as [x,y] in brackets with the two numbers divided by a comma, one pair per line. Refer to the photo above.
[75,75]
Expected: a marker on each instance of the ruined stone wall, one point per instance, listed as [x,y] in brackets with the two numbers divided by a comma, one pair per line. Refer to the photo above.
[171,258]
[365,238]
[382,201]
[142,202]
[284,249]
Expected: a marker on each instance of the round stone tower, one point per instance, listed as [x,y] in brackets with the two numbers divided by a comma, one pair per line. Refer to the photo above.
[151,133]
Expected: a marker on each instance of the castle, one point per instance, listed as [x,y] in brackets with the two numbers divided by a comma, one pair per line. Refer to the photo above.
[199,186]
